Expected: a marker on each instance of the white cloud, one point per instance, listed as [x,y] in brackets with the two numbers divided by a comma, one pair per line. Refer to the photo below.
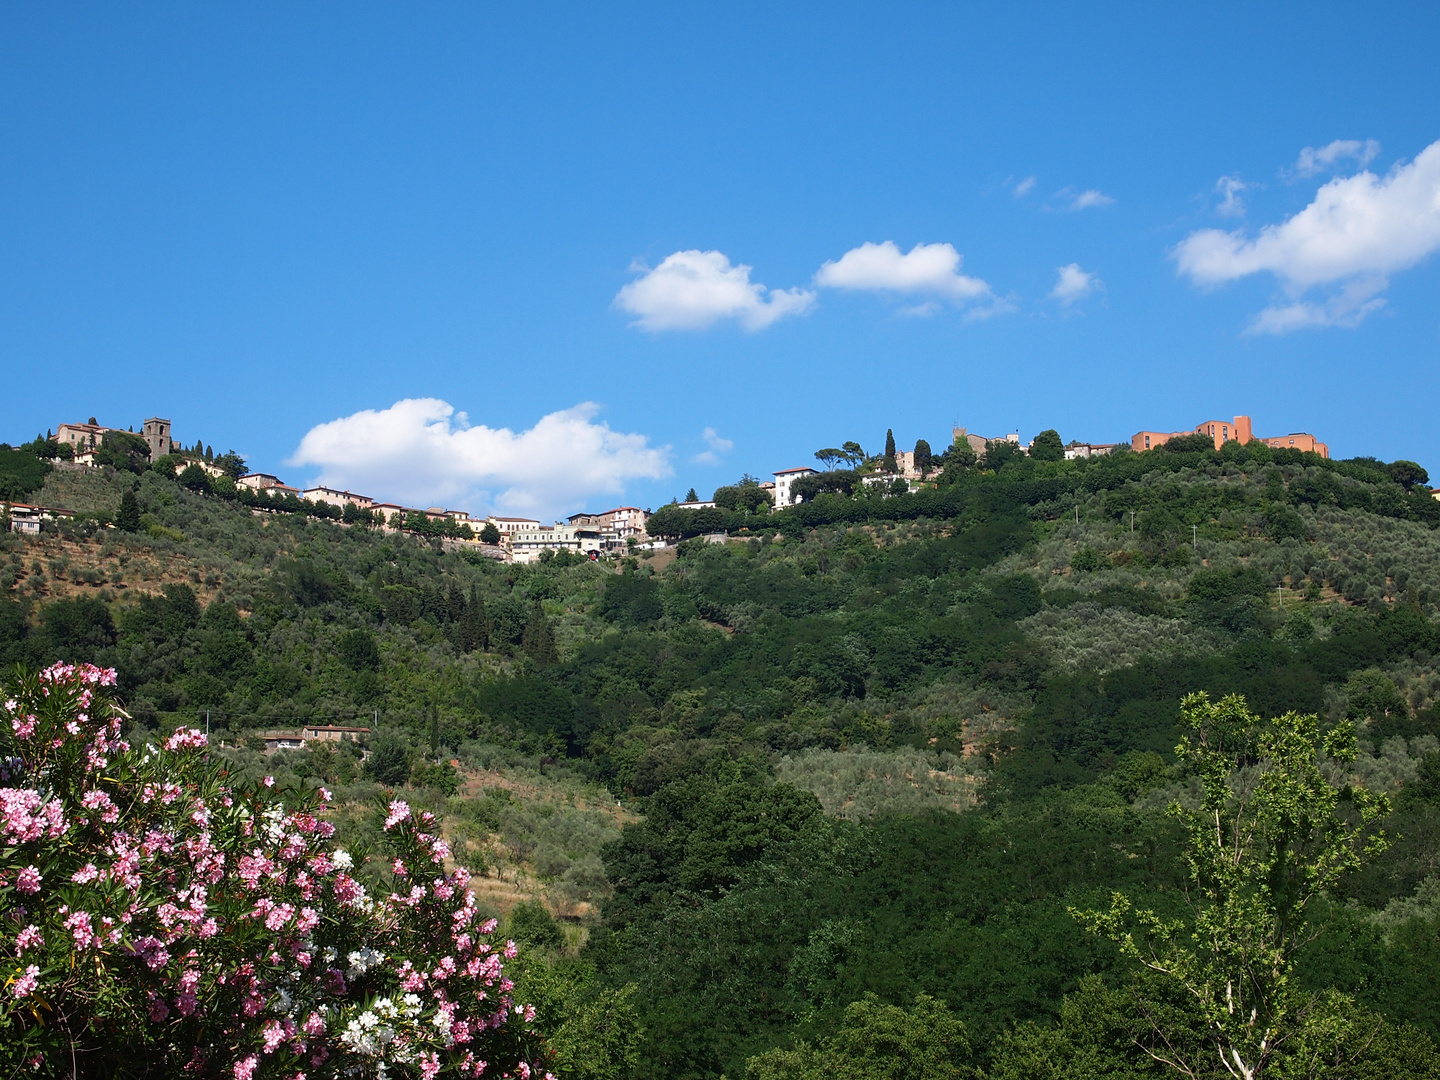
[1229,188]
[1073,284]
[692,290]
[1356,232]
[1081,200]
[420,451]
[1024,187]
[927,269]
[1325,158]
[717,445]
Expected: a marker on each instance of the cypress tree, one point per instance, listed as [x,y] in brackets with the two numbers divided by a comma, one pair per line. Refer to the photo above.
[128,518]
[890,465]
[538,641]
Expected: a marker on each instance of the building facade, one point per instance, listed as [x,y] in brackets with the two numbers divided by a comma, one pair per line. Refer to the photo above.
[157,434]
[783,481]
[341,499]
[1237,430]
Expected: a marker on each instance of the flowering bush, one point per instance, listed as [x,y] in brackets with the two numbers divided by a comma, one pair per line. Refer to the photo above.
[156,917]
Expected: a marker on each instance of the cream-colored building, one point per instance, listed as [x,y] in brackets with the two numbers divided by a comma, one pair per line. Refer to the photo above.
[341,499]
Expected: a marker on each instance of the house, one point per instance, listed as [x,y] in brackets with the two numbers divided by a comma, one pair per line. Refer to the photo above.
[341,499]
[333,733]
[259,481]
[508,525]
[26,519]
[209,468]
[80,437]
[698,504]
[783,479]
[623,521]
[1238,430]
[527,545]
[978,443]
[1088,450]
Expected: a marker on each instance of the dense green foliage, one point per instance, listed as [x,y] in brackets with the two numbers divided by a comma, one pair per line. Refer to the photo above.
[882,741]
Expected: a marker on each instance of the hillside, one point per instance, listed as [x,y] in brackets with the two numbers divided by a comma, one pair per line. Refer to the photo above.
[880,744]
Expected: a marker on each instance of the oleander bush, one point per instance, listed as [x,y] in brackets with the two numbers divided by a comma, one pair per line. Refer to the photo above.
[161,917]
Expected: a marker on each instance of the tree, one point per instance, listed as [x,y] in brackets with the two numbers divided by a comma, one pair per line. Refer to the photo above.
[1001,451]
[1047,446]
[358,651]
[878,1042]
[490,534]
[922,456]
[853,453]
[890,465]
[232,463]
[538,641]
[194,478]
[1407,474]
[1271,833]
[830,456]
[389,760]
[690,496]
[127,518]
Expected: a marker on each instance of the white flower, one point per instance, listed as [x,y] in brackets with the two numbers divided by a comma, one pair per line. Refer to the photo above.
[342,859]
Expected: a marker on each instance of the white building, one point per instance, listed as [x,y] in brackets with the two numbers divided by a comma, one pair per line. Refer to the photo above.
[508,525]
[259,481]
[527,545]
[698,504]
[783,479]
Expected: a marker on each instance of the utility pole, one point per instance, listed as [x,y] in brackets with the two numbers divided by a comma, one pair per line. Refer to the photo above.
[1195,537]
[207,724]
[1132,521]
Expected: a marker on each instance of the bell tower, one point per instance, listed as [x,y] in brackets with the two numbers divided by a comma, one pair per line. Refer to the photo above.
[157,434]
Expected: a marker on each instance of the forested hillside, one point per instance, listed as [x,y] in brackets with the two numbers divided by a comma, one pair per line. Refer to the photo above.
[880,744]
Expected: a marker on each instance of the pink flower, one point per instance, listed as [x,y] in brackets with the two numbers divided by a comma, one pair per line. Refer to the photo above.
[28,938]
[279,917]
[186,738]
[399,811]
[158,1010]
[245,1068]
[24,727]
[273,1035]
[308,920]
[429,1065]
[78,923]
[85,874]
[28,880]
[399,868]
[25,985]
[269,781]
[314,1025]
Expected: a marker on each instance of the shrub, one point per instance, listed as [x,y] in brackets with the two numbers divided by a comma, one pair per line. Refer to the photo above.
[162,917]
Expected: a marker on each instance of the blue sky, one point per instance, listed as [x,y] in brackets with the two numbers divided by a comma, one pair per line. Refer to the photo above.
[264,220]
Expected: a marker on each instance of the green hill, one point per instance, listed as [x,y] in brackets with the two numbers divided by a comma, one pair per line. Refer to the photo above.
[880,742]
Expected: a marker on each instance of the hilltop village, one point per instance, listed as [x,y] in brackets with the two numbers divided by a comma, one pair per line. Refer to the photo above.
[612,532]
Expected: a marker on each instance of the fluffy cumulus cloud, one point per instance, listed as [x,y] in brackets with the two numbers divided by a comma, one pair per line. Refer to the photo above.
[422,452]
[925,270]
[1315,160]
[1073,285]
[693,290]
[716,447]
[1356,232]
